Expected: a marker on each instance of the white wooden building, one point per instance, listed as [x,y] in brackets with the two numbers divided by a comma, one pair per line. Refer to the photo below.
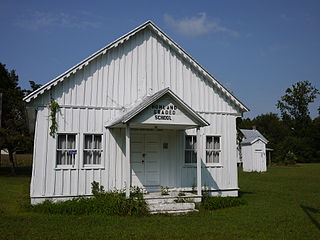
[139,112]
[253,151]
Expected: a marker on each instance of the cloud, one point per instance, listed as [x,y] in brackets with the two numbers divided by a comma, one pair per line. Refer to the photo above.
[38,20]
[197,26]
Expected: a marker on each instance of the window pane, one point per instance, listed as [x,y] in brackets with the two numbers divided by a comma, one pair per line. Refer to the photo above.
[215,157]
[194,138]
[209,144]
[194,157]
[209,158]
[70,158]
[87,157]
[188,142]
[97,142]
[216,142]
[60,157]
[71,141]
[187,156]
[61,141]
[87,141]
[96,157]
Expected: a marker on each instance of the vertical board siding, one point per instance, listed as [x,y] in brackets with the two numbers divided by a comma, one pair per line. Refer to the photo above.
[143,65]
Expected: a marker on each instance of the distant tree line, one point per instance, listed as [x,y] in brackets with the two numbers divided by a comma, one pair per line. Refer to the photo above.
[294,133]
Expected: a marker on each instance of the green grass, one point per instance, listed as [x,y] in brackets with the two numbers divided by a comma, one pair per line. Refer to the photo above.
[283,203]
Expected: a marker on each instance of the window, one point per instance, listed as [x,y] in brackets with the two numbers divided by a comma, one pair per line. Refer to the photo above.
[66,149]
[92,149]
[212,149]
[190,149]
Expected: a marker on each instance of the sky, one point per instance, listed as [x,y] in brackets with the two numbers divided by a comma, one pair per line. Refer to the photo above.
[256,49]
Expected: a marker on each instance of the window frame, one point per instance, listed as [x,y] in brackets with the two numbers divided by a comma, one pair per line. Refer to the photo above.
[191,150]
[76,158]
[219,164]
[83,149]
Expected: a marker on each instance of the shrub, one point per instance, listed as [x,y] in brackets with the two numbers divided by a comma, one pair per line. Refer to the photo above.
[213,203]
[164,190]
[106,203]
[290,158]
[136,192]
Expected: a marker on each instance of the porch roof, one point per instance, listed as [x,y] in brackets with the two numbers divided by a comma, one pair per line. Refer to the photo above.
[147,101]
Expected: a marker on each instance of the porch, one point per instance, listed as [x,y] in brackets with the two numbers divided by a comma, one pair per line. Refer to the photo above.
[161,111]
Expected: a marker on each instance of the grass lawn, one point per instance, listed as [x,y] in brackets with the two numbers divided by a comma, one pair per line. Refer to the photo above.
[283,203]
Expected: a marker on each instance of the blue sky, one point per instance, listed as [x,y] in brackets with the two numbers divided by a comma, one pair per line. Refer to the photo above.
[255,48]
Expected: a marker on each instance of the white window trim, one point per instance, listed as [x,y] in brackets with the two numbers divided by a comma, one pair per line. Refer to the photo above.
[76,159]
[92,166]
[219,164]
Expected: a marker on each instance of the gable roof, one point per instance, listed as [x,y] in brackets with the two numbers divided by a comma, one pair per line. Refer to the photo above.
[124,38]
[251,136]
[148,100]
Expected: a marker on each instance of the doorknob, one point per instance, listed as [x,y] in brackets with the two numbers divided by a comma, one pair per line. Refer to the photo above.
[142,161]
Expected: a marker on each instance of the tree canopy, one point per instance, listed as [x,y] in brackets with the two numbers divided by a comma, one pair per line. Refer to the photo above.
[13,132]
[294,105]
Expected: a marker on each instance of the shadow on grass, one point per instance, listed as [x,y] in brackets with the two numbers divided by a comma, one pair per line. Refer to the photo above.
[242,193]
[308,211]
[20,171]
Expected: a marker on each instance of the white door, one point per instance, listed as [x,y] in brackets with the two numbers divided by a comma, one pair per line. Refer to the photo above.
[145,159]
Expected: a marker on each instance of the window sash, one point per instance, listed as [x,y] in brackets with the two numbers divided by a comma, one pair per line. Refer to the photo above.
[190,149]
[213,149]
[92,151]
[66,150]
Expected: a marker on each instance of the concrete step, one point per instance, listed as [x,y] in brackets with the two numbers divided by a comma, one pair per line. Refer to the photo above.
[176,212]
[172,208]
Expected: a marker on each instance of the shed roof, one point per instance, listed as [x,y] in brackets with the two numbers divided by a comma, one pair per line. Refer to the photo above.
[251,136]
[121,40]
[148,100]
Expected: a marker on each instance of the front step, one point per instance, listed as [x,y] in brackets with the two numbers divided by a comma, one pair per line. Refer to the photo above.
[171,208]
[171,203]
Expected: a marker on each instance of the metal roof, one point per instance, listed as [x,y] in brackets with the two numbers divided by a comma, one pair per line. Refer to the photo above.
[124,38]
[148,100]
[250,136]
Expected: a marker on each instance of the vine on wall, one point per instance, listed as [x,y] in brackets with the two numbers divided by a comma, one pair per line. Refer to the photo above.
[53,108]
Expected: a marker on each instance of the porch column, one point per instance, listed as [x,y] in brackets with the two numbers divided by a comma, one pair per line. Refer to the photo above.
[198,162]
[127,164]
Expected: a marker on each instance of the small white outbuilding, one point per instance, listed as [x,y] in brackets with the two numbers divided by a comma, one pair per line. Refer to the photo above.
[253,151]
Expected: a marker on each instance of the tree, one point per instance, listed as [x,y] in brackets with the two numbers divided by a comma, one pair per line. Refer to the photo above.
[34,86]
[294,106]
[13,132]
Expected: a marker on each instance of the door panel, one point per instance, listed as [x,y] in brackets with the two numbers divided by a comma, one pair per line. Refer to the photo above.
[137,166]
[145,159]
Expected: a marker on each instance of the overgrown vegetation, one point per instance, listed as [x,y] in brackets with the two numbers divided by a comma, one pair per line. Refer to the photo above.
[53,108]
[214,203]
[136,192]
[103,202]
[164,190]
